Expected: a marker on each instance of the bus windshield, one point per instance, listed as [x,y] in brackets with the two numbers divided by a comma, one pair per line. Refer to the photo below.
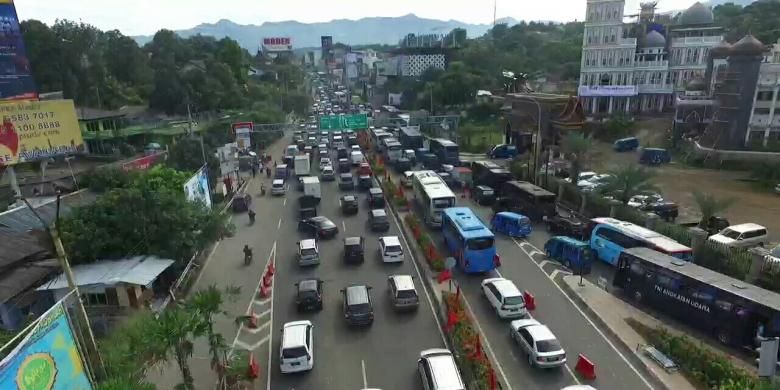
[443,203]
[479,244]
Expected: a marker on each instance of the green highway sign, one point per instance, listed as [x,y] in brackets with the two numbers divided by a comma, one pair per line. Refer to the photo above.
[337,122]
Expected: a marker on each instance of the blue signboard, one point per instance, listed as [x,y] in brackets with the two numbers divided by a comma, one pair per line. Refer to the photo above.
[47,359]
[16,80]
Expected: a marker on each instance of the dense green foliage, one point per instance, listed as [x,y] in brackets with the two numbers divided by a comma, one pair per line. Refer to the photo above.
[759,18]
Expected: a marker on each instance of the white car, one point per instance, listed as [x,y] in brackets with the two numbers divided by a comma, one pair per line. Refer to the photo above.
[637,201]
[391,250]
[744,235]
[583,176]
[505,297]
[538,343]
[278,187]
[296,352]
[325,162]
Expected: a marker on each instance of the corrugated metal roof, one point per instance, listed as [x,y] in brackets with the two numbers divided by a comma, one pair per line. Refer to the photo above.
[22,219]
[15,246]
[139,270]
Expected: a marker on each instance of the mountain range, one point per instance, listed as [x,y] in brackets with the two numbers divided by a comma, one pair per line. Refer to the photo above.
[373,30]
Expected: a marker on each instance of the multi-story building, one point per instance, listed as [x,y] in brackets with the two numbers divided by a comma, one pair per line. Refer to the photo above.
[764,127]
[637,67]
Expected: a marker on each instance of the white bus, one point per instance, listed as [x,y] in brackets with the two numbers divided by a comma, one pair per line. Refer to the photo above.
[432,195]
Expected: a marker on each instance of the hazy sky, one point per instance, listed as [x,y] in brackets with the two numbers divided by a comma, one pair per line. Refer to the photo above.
[140,17]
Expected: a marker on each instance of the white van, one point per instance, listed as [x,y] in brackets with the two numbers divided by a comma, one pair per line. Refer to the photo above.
[505,297]
[741,236]
[357,158]
[296,352]
[438,370]
[291,150]
[391,250]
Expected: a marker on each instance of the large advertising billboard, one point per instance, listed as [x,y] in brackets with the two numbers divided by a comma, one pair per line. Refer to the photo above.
[33,131]
[47,358]
[243,133]
[273,44]
[197,188]
[16,81]
[326,42]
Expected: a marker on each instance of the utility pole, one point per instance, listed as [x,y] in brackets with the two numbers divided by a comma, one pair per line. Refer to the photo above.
[94,359]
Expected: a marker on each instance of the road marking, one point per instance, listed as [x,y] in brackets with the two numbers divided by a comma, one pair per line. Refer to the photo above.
[279,224]
[258,329]
[363,367]
[555,273]
[271,255]
[568,369]
[420,278]
[271,331]
[592,324]
[544,262]
[284,203]
[344,226]
[253,346]
[262,302]
[486,342]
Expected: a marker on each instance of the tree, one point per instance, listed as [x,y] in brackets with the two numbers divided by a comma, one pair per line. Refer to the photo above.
[627,181]
[576,146]
[207,304]
[174,331]
[709,206]
[128,352]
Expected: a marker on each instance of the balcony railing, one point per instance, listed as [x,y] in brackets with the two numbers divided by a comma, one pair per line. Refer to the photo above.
[691,41]
[655,88]
[651,64]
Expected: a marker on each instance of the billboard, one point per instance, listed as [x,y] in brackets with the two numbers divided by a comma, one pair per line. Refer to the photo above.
[33,131]
[16,80]
[197,188]
[335,122]
[143,163]
[607,90]
[326,42]
[47,358]
[243,132]
[274,44]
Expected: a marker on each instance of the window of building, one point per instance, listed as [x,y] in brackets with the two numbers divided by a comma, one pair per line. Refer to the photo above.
[756,136]
[93,126]
[92,299]
[764,96]
[761,111]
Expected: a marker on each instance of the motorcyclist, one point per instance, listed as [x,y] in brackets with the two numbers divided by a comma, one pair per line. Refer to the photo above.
[251,216]
[262,189]
[247,254]
[268,172]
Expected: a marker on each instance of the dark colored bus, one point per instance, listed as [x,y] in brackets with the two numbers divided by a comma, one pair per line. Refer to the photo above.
[527,199]
[729,309]
[411,138]
[488,173]
[445,150]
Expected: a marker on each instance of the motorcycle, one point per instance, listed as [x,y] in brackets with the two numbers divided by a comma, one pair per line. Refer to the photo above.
[262,190]
[251,217]
[247,258]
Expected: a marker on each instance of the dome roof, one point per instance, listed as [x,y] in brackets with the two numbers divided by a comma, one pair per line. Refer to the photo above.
[748,45]
[697,84]
[722,50]
[653,39]
[697,14]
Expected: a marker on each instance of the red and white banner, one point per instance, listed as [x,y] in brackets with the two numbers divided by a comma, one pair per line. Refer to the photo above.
[272,44]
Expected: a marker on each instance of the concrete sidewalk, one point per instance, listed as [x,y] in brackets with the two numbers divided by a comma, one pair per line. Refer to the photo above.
[613,312]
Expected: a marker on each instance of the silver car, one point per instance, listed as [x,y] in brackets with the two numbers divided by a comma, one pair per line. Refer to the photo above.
[538,342]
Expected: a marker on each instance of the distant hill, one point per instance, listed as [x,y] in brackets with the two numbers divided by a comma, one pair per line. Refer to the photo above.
[743,3]
[375,30]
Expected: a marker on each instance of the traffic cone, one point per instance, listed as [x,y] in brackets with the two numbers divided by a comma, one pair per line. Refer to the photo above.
[254,368]
[252,319]
[271,268]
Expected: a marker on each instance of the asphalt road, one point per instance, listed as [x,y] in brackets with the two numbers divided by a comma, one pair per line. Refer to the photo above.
[383,355]
[525,264]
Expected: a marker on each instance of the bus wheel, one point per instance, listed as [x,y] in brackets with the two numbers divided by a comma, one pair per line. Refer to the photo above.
[723,336]
[638,296]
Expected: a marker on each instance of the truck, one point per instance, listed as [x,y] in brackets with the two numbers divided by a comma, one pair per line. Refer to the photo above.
[302,166]
[311,186]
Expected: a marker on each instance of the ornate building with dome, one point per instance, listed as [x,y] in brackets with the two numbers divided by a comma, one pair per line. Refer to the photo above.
[640,67]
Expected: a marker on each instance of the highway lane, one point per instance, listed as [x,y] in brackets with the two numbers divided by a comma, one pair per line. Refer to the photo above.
[380,356]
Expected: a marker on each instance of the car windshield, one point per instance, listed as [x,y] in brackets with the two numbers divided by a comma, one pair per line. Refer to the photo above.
[380,218]
[479,243]
[730,234]
[516,300]
[442,203]
[325,223]
[360,308]
[406,294]
[293,353]
[548,345]
[307,294]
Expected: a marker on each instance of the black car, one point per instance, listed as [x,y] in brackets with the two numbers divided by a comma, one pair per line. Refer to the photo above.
[666,210]
[358,309]
[376,198]
[566,226]
[309,295]
[377,220]
[365,182]
[320,226]
[354,247]
[349,204]
[341,153]
[344,165]
[346,182]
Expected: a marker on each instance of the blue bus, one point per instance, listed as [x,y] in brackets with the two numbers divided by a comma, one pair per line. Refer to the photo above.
[446,150]
[469,240]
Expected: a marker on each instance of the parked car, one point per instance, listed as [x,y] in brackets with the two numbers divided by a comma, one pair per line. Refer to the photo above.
[668,211]
[358,308]
[538,343]
[349,204]
[365,182]
[643,199]
[390,249]
[655,156]
[296,351]
[502,151]
[354,250]
[309,294]
[626,144]
[402,293]
[505,297]
[566,226]
[320,226]
[325,162]
[377,221]
[744,235]
[484,195]
[346,182]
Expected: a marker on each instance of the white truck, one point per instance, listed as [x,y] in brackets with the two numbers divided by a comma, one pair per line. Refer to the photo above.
[302,165]
[311,186]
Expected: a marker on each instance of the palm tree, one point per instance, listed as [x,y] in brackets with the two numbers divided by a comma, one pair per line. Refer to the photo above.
[205,305]
[129,351]
[173,333]
[627,181]
[709,206]
[576,146]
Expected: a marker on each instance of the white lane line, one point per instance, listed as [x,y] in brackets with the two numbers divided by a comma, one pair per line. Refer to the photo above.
[344,226]
[363,367]
[544,262]
[254,346]
[271,333]
[243,345]
[258,329]
[486,342]
[568,369]
[420,278]
[271,256]
[206,264]
[284,203]
[592,324]
[262,302]
[279,224]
